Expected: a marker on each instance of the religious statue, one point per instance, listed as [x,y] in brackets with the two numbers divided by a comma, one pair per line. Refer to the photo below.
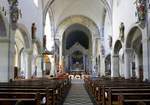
[33,31]
[44,41]
[110,41]
[141,9]
[15,15]
[14,11]
[121,29]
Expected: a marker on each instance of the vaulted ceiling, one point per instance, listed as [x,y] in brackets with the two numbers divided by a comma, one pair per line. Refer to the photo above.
[61,9]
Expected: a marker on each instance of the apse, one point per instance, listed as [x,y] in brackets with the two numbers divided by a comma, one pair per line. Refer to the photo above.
[77,37]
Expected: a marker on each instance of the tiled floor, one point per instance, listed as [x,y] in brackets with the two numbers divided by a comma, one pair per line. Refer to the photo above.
[77,94]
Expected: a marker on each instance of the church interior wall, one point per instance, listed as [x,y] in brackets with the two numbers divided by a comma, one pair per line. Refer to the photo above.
[93,15]
[32,13]
[125,15]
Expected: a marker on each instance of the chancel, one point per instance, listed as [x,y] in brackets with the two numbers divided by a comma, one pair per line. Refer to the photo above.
[74,52]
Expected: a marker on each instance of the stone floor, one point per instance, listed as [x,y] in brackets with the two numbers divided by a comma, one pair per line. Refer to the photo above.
[77,94]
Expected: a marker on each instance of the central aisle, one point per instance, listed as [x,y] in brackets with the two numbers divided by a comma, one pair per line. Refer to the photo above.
[77,94]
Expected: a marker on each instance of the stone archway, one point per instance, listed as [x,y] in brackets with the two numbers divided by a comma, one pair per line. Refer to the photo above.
[34,57]
[115,72]
[134,54]
[22,42]
[77,37]
[85,22]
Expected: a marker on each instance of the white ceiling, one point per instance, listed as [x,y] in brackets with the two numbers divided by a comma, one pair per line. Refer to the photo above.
[93,9]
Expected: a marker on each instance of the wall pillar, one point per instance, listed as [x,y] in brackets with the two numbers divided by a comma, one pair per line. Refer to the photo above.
[115,65]
[93,58]
[28,62]
[84,62]
[4,51]
[102,66]
[137,66]
[53,71]
[128,54]
[39,66]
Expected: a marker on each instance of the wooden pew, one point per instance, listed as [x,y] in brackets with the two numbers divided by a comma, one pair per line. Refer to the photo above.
[52,90]
[111,96]
[134,99]
[12,98]
[100,89]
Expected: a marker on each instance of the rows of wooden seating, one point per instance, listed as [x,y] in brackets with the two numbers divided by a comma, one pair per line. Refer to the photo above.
[34,92]
[106,91]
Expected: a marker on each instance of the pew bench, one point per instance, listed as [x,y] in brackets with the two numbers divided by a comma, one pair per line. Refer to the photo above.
[12,98]
[134,99]
[54,91]
[112,96]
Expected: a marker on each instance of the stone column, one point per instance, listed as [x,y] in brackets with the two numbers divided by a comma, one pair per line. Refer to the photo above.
[28,62]
[94,57]
[146,45]
[128,54]
[115,65]
[13,7]
[84,62]
[70,63]
[53,72]
[66,63]
[60,54]
[137,66]
[93,66]
[102,73]
[39,66]
[4,51]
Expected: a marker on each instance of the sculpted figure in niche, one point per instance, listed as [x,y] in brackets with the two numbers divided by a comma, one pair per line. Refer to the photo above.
[122,28]
[110,41]
[14,11]
[44,41]
[33,30]
[141,9]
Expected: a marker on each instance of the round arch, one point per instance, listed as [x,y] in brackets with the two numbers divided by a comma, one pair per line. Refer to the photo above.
[134,53]
[116,65]
[75,31]
[77,19]
[134,33]
[22,42]
[25,34]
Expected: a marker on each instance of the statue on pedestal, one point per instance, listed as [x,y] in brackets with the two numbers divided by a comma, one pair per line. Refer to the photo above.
[44,41]
[33,31]
[110,41]
[121,29]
